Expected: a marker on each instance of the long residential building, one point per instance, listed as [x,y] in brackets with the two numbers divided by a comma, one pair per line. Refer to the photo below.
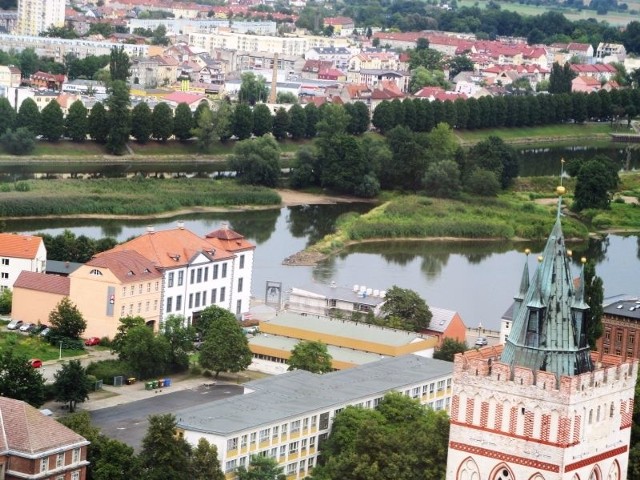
[20,253]
[287,417]
[36,16]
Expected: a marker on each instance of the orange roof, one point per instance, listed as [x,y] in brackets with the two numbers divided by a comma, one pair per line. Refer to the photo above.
[43,282]
[26,431]
[127,265]
[171,248]
[229,240]
[19,246]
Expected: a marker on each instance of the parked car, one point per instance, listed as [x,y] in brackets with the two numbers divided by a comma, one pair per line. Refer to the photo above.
[92,341]
[39,328]
[481,342]
[27,327]
[14,324]
[45,331]
[35,362]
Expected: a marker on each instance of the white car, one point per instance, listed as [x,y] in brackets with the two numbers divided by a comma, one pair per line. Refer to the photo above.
[14,324]
[27,327]
[481,342]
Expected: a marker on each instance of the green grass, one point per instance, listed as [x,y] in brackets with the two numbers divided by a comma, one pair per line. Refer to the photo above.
[614,18]
[547,133]
[65,148]
[34,346]
[121,196]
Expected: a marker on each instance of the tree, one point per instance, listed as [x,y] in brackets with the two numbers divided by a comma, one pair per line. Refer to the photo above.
[118,117]
[280,124]
[483,182]
[383,118]
[312,116]
[261,468]
[423,77]
[253,89]
[119,64]
[449,348]
[182,122]
[286,98]
[29,116]
[595,182]
[204,462]
[6,299]
[126,324]
[21,141]
[72,385]
[297,122]
[560,78]
[225,347]
[164,455]
[52,121]
[257,161]
[442,179]
[242,121]
[359,118]
[407,306]
[180,340]
[19,380]
[141,123]
[7,116]
[162,121]
[594,297]
[66,320]
[205,130]
[460,63]
[76,122]
[116,460]
[98,126]
[262,120]
[496,156]
[223,121]
[147,354]
[310,356]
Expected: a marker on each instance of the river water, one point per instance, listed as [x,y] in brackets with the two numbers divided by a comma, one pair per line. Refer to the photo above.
[477,279]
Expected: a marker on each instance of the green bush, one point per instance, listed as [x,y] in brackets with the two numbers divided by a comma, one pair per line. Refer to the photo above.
[105,370]
[22,187]
[105,342]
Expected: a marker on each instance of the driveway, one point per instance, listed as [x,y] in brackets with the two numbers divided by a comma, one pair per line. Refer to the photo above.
[128,422]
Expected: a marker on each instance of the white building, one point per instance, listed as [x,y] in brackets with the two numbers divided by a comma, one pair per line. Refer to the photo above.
[18,253]
[286,417]
[332,300]
[198,272]
[36,16]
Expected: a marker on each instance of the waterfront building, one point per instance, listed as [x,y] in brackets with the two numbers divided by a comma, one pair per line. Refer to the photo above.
[543,406]
[20,253]
[287,417]
[621,325]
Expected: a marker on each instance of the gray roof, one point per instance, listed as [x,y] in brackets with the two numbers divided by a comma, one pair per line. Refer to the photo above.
[345,328]
[441,319]
[340,354]
[628,307]
[549,325]
[296,393]
[62,268]
[333,292]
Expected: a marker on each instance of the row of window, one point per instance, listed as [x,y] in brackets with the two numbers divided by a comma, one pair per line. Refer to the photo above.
[291,468]
[5,261]
[199,275]
[75,458]
[196,300]
[147,307]
[277,431]
[141,288]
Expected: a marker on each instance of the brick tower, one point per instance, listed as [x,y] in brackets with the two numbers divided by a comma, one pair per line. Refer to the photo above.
[540,408]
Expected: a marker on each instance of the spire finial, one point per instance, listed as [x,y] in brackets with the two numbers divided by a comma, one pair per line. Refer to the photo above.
[560,190]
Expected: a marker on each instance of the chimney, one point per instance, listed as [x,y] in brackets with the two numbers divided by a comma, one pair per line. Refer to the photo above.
[181,225]
[150,229]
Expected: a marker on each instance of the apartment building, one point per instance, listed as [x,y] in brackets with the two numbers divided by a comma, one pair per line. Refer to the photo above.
[36,16]
[34,446]
[286,417]
[18,253]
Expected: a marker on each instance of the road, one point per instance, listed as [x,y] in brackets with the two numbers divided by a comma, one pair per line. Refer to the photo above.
[128,422]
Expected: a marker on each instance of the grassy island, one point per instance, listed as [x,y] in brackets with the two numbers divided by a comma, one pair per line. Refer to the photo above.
[120,196]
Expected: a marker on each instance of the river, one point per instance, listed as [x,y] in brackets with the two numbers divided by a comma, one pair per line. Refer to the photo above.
[477,279]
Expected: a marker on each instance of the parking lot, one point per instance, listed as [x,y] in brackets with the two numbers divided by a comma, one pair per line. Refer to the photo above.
[128,422]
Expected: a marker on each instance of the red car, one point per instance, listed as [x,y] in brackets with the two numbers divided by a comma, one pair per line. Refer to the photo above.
[35,362]
[90,342]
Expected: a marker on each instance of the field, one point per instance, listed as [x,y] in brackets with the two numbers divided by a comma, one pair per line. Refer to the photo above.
[547,133]
[33,346]
[613,18]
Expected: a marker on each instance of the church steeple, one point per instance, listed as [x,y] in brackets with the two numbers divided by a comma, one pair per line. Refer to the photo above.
[524,286]
[548,329]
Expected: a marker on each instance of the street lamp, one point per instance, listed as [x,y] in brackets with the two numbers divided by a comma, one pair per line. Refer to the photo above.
[60,351]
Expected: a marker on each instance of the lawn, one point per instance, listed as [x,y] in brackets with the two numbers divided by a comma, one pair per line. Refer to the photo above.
[614,18]
[547,133]
[33,346]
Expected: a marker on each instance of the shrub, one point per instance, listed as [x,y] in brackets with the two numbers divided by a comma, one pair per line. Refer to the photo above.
[20,141]
[22,187]
[105,342]
[105,370]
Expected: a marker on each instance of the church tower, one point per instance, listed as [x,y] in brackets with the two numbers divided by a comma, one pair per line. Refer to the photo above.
[540,408]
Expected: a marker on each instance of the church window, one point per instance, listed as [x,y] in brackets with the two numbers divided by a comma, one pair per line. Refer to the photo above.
[590,417]
[503,474]
[598,415]
[611,410]
[469,470]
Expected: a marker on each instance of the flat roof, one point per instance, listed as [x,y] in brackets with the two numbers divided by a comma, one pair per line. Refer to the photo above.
[286,344]
[345,328]
[342,293]
[294,394]
[628,307]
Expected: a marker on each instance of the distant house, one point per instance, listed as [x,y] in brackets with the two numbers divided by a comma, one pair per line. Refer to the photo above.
[342,26]
[611,52]
[47,80]
[20,253]
[35,295]
[446,324]
[34,446]
[585,84]
[332,300]
[191,99]
[601,71]
[10,76]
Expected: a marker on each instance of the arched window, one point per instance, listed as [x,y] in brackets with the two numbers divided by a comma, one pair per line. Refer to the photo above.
[611,410]
[590,417]
[468,470]
[96,272]
[595,474]
[537,476]
[502,472]
[614,471]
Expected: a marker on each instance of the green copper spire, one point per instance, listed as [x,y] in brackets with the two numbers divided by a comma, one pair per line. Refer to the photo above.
[548,331]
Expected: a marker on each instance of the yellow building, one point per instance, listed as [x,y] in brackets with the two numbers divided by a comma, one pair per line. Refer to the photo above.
[35,295]
[116,284]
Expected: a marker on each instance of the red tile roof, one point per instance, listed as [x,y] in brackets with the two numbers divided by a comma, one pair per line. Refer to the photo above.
[180,97]
[595,68]
[338,21]
[171,248]
[43,282]
[427,92]
[19,246]
[127,265]
[26,431]
[229,240]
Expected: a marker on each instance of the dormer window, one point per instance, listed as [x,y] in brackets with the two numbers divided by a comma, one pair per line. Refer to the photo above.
[95,272]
